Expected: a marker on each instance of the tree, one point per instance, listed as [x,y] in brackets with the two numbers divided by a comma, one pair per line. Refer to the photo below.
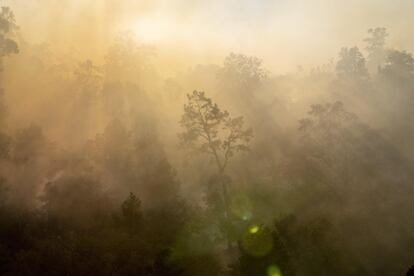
[243,71]
[376,48]
[7,47]
[209,130]
[351,64]
[410,272]
[330,136]
[131,210]
[30,143]
[88,77]
[5,142]
[7,27]
[239,77]
[376,40]
[75,201]
[399,64]
[85,95]
[128,60]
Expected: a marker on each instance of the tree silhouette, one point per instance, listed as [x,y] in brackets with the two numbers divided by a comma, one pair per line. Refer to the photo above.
[376,40]
[212,131]
[239,77]
[127,60]
[76,201]
[399,64]
[410,272]
[7,26]
[209,130]
[243,71]
[88,77]
[376,48]
[351,64]
[329,136]
[7,47]
[131,210]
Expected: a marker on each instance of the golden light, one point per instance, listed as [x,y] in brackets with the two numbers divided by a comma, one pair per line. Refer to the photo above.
[153,28]
[254,229]
[273,270]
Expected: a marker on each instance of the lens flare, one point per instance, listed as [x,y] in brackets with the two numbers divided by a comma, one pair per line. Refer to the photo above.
[254,229]
[241,206]
[257,241]
[273,270]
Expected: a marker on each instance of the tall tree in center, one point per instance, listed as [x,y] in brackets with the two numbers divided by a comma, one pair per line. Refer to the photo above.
[211,131]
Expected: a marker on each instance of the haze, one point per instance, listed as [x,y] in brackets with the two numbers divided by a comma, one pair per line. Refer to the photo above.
[301,32]
[206,138]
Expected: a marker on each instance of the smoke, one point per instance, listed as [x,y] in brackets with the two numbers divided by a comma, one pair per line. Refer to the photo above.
[285,33]
[95,95]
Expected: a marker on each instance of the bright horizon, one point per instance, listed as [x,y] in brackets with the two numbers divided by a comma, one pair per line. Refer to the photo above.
[286,34]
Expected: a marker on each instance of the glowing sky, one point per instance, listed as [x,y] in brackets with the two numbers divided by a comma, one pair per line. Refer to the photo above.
[285,33]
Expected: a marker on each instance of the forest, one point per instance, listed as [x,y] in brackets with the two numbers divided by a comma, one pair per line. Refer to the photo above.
[125,165]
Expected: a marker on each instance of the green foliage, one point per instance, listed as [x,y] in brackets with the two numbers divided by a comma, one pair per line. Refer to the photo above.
[296,248]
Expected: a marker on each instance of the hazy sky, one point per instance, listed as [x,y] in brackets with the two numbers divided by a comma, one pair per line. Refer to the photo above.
[286,33]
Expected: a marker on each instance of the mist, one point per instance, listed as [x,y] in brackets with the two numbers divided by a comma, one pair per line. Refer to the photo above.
[206,138]
[302,33]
